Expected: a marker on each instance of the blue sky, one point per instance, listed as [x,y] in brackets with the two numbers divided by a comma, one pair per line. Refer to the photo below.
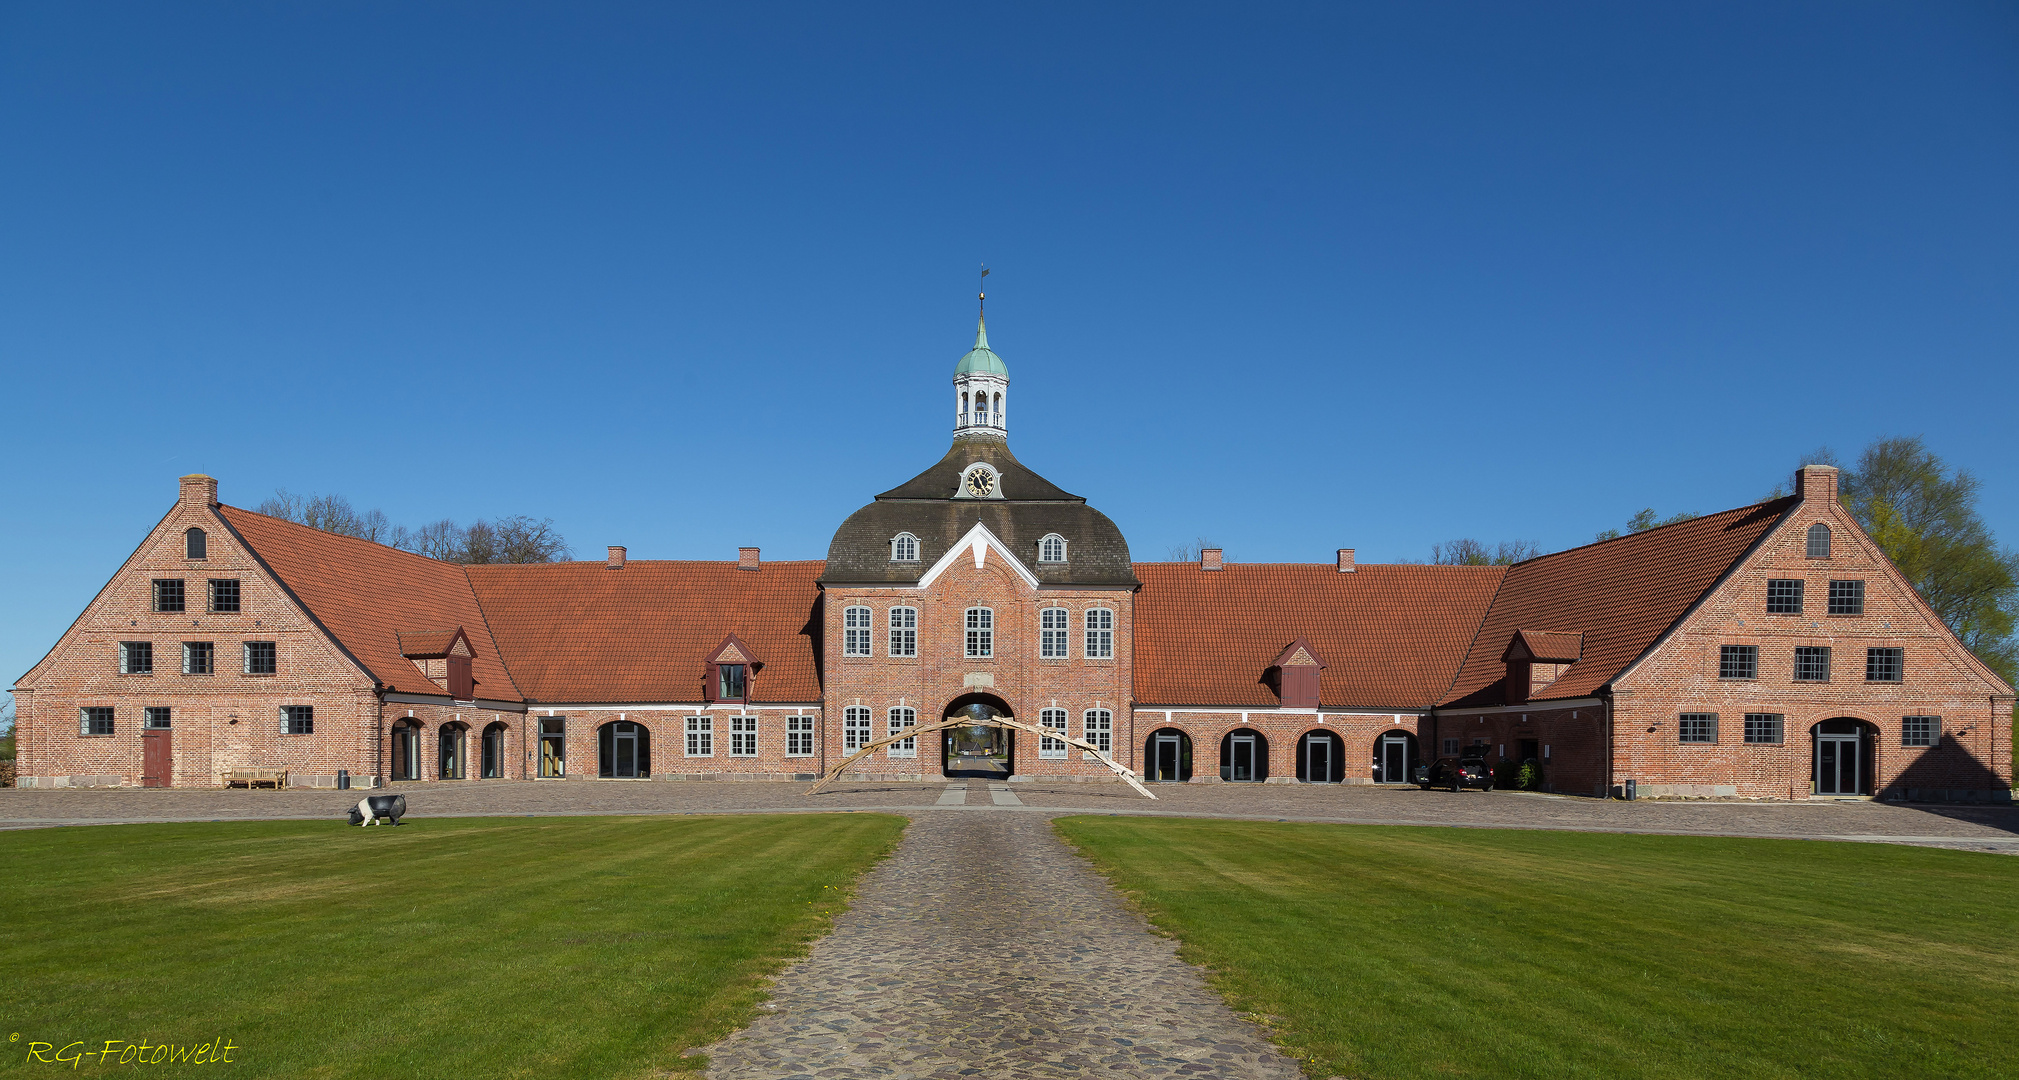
[1286,277]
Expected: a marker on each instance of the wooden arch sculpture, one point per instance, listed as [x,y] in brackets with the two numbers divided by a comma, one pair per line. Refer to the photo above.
[1127,774]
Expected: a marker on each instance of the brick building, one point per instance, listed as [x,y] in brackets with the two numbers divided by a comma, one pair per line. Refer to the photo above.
[1770,651]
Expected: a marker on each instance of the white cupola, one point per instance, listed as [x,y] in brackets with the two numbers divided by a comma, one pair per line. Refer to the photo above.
[981,390]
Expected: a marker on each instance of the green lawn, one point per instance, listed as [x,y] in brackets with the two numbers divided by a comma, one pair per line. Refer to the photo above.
[1398,952]
[549,947]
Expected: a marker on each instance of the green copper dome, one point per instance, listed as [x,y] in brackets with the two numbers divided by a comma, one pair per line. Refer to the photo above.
[981,360]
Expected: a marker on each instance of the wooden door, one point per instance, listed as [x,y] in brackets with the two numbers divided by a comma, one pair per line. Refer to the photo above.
[157,763]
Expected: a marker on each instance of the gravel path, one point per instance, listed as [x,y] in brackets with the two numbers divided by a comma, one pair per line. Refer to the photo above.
[985,948]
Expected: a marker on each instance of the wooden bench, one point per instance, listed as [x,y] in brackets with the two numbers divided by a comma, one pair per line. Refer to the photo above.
[252,778]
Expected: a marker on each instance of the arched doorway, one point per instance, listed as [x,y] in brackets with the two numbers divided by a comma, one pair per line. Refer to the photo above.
[1244,756]
[494,751]
[406,749]
[623,751]
[978,751]
[1321,758]
[1846,756]
[454,741]
[1394,757]
[1167,756]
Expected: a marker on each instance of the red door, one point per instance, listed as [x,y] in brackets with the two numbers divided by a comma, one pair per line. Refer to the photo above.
[156,764]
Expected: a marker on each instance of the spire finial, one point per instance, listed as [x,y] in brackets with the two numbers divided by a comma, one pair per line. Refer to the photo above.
[981,300]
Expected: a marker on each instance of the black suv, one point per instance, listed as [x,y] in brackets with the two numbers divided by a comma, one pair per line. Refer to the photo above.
[1455,773]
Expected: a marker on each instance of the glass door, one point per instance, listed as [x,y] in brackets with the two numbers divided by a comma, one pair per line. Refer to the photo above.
[1241,758]
[1394,759]
[1167,758]
[1837,765]
[554,746]
[1318,760]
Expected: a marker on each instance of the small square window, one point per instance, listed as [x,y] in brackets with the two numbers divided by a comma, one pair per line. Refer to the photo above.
[1738,661]
[799,736]
[1450,747]
[1884,665]
[224,595]
[1697,727]
[1812,663]
[94,720]
[297,719]
[156,717]
[199,658]
[136,658]
[1784,596]
[260,658]
[1920,730]
[1847,598]
[168,594]
[1763,727]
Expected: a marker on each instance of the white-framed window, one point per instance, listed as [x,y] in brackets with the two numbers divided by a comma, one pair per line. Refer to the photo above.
[799,736]
[904,631]
[1052,548]
[980,632]
[855,631]
[901,720]
[855,728]
[1052,720]
[1053,627]
[1100,634]
[701,736]
[742,736]
[1100,729]
[904,548]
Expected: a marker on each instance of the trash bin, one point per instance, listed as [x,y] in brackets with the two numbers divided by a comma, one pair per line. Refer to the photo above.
[343,779]
[1629,789]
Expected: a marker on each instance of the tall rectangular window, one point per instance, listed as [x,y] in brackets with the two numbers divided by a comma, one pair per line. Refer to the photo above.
[855,631]
[1697,727]
[1101,729]
[136,658]
[1847,598]
[799,736]
[168,594]
[1812,663]
[1763,727]
[855,728]
[903,720]
[1920,730]
[701,736]
[297,719]
[904,631]
[199,658]
[1784,596]
[742,736]
[259,658]
[729,682]
[1884,665]
[224,595]
[94,720]
[1100,634]
[1052,629]
[1052,720]
[1738,661]
[980,632]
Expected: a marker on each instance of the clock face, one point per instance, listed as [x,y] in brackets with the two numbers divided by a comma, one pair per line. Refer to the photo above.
[980,484]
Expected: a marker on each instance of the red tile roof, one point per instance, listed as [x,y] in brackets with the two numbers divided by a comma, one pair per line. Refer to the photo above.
[1547,647]
[581,632]
[1621,594]
[362,592]
[426,644]
[1391,635]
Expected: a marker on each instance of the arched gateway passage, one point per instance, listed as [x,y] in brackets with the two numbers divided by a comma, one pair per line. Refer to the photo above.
[995,714]
[977,750]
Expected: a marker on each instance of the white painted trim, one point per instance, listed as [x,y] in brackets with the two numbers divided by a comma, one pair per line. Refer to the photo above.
[699,706]
[1531,707]
[978,540]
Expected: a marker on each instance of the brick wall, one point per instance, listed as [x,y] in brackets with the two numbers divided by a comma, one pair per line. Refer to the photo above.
[1280,731]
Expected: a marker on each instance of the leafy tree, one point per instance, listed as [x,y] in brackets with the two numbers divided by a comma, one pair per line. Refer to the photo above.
[1645,520]
[1470,552]
[515,539]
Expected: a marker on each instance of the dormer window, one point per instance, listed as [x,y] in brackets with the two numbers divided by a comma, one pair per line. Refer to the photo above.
[730,667]
[1298,670]
[1819,541]
[730,685]
[195,544]
[904,548]
[1052,548]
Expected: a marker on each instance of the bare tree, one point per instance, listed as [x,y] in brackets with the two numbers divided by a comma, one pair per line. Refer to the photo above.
[1645,520]
[1191,552]
[1470,552]
[515,539]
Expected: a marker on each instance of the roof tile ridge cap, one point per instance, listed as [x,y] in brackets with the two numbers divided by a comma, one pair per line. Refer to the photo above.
[329,634]
[497,650]
[1698,520]
[337,536]
[1465,658]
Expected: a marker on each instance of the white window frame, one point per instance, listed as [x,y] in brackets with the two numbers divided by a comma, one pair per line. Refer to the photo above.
[980,633]
[1046,548]
[903,631]
[856,731]
[1100,626]
[799,736]
[701,735]
[904,548]
[1055,627]
[898,720]
[742,736]
[1098,726]
[1050,749]
[855,630]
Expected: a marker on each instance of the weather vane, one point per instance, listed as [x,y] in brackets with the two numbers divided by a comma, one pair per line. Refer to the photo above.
[981,299]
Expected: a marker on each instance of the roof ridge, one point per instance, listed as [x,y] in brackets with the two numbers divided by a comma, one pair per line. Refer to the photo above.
[336,535]
[1647,532]
[496,646]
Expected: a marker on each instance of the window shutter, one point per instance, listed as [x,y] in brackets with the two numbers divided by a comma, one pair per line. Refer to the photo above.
[462,681]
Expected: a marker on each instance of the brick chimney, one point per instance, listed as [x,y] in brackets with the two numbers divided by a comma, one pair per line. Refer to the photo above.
[616,558]
[1345,560]
[1209,558]
[746,558]
[1817,482]
[199,491]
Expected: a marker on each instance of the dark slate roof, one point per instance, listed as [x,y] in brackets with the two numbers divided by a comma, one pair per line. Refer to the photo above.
[926,506]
